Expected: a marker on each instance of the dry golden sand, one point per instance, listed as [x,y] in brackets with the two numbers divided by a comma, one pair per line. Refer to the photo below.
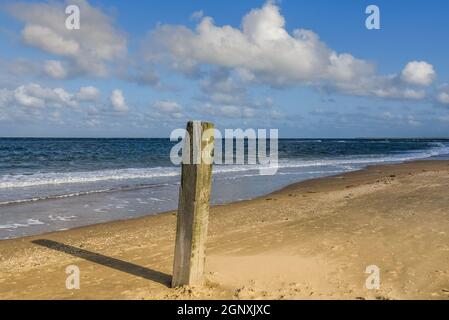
[311,240]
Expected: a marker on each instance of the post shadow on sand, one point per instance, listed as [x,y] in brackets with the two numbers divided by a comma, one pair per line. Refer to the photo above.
[113,263]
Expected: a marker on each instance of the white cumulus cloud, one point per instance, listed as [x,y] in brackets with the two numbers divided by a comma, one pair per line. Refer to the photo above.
[118,101]
[88,49]
[418,73]
[88,94]
[162,108]
[263,51]
[34,96]
[55,69]
[442,95]
[167,106]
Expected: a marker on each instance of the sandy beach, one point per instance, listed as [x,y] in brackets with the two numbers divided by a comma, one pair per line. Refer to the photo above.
[311,240]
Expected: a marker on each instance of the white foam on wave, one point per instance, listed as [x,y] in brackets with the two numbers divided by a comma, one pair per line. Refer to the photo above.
[53,197]
[57,178]
[28,223]
[61,218]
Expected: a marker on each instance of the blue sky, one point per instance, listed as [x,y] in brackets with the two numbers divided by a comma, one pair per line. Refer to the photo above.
[142,69]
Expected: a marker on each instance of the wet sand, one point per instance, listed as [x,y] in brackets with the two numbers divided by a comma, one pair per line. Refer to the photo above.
[311,240]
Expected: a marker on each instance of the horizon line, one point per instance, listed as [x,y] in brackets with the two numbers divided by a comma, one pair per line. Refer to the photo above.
[310,138]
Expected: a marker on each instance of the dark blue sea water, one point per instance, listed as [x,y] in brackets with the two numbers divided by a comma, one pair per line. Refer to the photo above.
[54,184]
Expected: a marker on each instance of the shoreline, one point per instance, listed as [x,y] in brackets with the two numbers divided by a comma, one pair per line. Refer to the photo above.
[170,212]
[318,234]
[212,205]
[85,190]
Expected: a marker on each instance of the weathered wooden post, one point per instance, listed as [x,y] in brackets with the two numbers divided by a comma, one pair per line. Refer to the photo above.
[193,208]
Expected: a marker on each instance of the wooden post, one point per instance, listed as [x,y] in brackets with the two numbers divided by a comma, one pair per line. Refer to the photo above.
[193,208]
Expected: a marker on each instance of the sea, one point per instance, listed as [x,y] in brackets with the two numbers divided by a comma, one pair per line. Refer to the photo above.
[57,184]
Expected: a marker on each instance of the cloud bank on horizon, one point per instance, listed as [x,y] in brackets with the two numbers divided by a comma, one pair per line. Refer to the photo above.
[228,67]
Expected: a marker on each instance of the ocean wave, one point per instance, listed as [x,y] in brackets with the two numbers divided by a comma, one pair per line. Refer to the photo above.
[62,178]
[61,218]
[81,193]
[28,223]
[57,178]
